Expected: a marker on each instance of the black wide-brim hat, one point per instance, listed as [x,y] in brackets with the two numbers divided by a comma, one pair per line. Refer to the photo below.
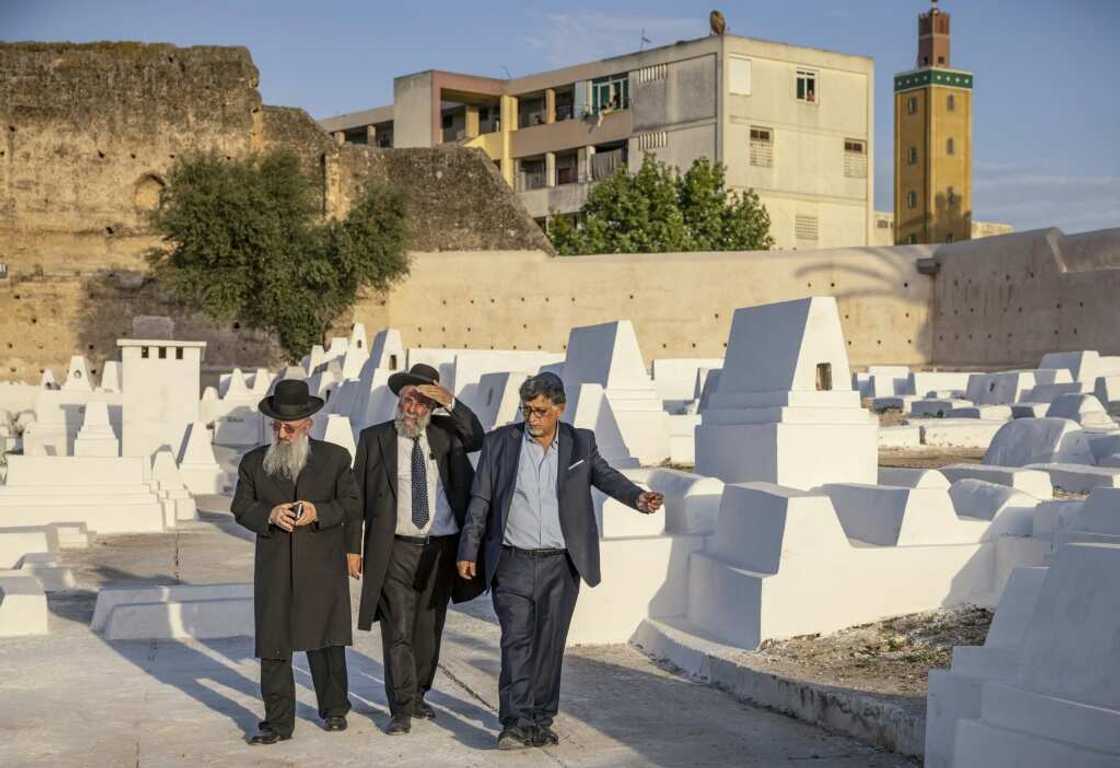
[417,375]
[291,401]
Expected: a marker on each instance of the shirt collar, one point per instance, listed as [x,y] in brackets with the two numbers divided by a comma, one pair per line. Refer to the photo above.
[530,439]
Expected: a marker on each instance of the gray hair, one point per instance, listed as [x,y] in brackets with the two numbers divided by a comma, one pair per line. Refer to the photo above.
[547,384]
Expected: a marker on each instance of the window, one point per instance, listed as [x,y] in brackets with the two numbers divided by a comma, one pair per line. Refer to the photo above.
[805,227]
[807,86]
[951,102]
[855,159]
[178,353]
[912,105]
[949,237]
[567,168]
[163,353]
[532,174]
[739,76]
[951,196]
[950,146]
[144,353]
[941,60]
[912,156]
[911,199]
[912,239]
[610,93]
[762,147]
[883,224]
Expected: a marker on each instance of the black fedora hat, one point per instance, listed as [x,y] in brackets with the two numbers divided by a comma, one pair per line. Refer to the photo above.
[291,401]
[417,375]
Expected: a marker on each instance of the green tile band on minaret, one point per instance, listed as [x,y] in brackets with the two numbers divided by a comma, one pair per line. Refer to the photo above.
[953,78]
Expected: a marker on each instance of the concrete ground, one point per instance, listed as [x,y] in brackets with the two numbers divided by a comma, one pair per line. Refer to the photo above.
[72,699]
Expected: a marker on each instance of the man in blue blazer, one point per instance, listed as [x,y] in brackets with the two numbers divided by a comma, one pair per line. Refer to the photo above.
[530,535]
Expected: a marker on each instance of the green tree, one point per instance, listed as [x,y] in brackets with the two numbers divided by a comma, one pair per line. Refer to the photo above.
[244,241]
[658,210]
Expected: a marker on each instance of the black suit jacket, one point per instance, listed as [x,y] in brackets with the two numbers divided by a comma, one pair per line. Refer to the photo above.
[301,593]
[450,439]
[580,467]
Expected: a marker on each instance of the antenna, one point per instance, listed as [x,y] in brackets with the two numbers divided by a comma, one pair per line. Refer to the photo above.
[506,70]
[645,39]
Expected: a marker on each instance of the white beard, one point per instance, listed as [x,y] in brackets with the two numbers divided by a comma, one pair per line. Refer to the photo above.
[411,433]
[287,459]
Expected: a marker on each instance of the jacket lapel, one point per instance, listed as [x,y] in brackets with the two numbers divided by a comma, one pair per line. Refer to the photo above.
[564,457]
[387,439]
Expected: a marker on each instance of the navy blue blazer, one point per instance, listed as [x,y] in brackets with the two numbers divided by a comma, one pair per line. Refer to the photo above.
[580,467]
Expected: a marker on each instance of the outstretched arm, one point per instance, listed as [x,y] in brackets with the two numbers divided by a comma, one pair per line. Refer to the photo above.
[616,485]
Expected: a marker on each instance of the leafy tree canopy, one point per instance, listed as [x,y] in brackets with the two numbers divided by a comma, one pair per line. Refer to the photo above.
[658,210]
[246,242]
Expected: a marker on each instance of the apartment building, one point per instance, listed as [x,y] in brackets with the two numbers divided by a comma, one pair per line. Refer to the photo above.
[794,124]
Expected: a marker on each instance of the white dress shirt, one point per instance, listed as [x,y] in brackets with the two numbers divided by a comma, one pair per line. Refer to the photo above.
[441,520]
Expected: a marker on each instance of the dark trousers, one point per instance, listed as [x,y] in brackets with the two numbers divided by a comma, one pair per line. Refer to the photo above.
[534,596]
[278,687]
[413,607]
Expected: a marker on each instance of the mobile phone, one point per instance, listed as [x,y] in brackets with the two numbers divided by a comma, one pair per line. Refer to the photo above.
[297,510]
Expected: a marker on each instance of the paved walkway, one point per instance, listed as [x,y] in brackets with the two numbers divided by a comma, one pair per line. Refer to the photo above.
[73,699]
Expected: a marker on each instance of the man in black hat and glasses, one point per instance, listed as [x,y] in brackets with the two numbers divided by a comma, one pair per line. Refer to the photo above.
[414,480]
[296,495]
[530,536]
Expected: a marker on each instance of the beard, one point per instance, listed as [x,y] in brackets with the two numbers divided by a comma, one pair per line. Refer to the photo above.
[287,458]
[411,429]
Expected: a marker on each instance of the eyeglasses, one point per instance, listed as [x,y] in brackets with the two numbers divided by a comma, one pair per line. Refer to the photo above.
[527,411]
[287,427]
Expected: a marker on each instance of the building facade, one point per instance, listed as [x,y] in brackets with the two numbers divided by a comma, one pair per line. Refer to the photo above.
[933,141]
[794,124]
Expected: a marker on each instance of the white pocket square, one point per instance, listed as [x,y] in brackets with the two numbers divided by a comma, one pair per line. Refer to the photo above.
[575,465]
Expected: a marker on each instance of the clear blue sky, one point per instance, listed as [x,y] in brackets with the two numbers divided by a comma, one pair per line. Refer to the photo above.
[1047,110]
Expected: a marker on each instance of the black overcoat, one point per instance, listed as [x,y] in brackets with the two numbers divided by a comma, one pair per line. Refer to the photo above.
[301,592]
[450,439]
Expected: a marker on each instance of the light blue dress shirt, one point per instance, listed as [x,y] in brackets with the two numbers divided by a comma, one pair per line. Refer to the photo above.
[534,511]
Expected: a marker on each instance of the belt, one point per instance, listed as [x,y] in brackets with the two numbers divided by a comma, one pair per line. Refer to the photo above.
[423,540]
[534,552]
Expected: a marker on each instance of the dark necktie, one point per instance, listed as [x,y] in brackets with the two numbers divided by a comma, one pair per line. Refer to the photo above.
[419,486]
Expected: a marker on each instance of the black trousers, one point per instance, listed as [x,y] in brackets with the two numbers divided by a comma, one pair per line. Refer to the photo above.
[534,596]
[413,608]
[278,687]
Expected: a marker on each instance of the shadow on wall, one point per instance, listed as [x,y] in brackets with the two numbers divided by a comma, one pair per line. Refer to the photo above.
[110,300]
[888,273]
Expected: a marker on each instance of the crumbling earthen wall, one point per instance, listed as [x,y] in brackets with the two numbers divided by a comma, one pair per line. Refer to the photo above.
[89,135]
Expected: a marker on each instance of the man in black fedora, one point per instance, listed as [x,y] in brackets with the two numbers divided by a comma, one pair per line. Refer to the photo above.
[529,537]
[296,494]
[414,481]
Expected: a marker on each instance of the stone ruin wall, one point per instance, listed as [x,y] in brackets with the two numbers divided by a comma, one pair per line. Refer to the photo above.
[90,133]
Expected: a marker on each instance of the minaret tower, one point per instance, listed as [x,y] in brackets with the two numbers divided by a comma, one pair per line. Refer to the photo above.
[933,141]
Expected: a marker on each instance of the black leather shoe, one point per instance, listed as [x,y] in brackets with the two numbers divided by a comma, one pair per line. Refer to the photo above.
[399,725]
[268,736]
[514,738]
[335,723]
[423,711]
[545,737]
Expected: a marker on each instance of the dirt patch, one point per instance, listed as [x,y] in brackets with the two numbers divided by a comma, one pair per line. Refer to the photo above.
[928,458]
[891,657]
